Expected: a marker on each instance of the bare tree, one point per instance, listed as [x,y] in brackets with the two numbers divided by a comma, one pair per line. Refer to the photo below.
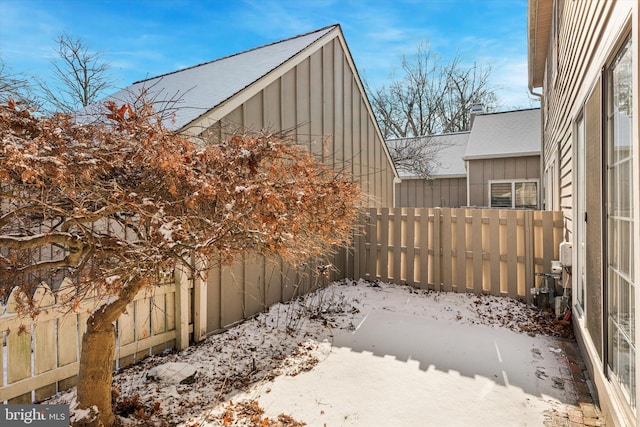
[15,87]
[432,97]
[80,76]
[114,205]
[418,156]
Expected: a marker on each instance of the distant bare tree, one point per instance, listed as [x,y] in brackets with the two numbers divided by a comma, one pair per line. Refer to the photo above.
[416,156]
[15,86]
[80,76]
[432,97]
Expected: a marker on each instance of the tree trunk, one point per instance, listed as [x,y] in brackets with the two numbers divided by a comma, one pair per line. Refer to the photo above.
[97,357]
[96,369]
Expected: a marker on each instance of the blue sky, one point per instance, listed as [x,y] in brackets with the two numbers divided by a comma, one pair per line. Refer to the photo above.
[144,38]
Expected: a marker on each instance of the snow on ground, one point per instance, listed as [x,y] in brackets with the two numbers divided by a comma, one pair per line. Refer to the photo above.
[361,353]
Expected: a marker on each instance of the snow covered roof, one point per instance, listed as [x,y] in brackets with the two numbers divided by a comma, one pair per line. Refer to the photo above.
[506,134]
[193,91]
[448,161]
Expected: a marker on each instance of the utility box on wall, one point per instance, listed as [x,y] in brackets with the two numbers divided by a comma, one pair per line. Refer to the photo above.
[566,252]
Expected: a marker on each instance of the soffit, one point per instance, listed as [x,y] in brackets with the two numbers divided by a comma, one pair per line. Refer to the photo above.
[539,33]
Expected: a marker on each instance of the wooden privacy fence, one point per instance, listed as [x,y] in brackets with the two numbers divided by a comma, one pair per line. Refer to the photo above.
[45,357]
[495,251]
[460,250]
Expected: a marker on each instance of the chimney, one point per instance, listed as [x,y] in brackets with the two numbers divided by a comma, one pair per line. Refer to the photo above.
[477,108]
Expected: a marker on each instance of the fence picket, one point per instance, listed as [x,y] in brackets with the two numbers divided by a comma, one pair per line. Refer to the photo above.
[447,259]
[372,238]
[42,354]
[512,255]
[478,250]
[529,255]
[410,244]
[549,244]
[44,336]
[461,251]
[424,248]
[476,244]
[397,246]
[494,251]
[384,244]
[437,249]
[18,348]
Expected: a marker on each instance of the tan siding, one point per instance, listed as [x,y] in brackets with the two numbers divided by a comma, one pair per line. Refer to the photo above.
[582,22]
[303,98]
[316,101]
[589,31]
[441,192]
[321,99]
[328,101]
[348,118]
[356,131]
[272,107]
[288,94]
[339,103]
[481,171]
[253,113]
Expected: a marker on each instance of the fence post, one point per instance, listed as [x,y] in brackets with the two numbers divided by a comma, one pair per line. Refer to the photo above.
[182,307]
[199,300]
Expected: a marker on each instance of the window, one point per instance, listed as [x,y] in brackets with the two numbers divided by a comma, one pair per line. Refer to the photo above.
[620,179]
[514,194]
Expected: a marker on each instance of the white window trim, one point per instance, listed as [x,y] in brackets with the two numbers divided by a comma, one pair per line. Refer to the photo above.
[513,183]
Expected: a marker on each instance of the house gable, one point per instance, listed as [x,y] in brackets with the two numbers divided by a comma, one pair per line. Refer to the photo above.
[307,85]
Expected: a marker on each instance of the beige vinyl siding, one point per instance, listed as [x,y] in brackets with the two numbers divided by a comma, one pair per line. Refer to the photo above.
[588,31]
[481,171]
[321,102]
[588,36]
[581,29]
[432,193]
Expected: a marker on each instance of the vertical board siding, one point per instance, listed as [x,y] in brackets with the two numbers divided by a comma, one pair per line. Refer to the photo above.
[462,250]
[323,103]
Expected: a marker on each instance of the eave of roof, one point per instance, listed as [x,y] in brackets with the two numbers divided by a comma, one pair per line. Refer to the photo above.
[539,17]
[194,91]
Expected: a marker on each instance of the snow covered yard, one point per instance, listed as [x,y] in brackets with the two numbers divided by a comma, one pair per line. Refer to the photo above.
[361,354]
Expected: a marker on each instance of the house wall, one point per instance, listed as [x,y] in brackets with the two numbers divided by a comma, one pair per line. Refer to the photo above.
[431,193]
[321,102]
[481,171]
[584,37]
